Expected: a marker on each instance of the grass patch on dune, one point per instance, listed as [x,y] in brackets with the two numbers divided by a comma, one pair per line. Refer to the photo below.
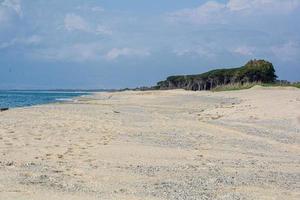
[244,86]
[234,86]
[296,85]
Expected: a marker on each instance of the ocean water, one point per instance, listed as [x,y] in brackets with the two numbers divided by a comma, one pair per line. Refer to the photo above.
[13,99]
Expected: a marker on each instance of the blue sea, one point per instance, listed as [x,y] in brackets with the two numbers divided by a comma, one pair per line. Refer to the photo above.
[13,99]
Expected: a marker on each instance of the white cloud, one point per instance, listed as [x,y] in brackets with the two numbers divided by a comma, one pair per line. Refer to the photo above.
[206,13]
[75,22]
[90,8]
[115,53]
[3,15]
[82,52]
[102,30]
[10,9]
[236,5]
[97,9]
[263,5]
[32,40]
[204,52]
[287,52]
[244,50]
[15,5]
[79,52]
[214,12]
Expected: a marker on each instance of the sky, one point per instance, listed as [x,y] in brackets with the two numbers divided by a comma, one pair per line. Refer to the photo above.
[93,44]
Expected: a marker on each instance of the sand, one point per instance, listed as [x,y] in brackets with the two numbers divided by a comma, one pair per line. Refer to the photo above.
[155,145]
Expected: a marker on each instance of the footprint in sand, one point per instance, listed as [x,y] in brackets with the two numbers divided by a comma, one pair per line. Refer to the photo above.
[58,171]
[59,156]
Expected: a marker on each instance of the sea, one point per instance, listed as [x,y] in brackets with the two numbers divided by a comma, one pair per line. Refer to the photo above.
[14,99]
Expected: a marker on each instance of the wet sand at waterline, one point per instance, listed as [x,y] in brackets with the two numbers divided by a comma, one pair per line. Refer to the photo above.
[155,145]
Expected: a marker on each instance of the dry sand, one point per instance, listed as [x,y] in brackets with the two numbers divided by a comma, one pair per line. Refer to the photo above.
[155,145]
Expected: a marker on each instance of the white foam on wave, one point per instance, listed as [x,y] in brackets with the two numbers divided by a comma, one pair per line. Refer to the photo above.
[66,99]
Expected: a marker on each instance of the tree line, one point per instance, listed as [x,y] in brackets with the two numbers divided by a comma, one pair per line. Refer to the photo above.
[253,71]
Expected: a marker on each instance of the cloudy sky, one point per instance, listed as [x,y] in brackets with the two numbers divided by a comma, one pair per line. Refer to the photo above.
[128,43]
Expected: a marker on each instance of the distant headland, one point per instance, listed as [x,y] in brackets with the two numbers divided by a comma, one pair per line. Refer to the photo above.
[253,72]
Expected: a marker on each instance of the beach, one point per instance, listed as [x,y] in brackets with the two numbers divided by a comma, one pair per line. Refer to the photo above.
[137,145]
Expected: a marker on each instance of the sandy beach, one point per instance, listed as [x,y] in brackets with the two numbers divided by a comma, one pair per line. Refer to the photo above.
[154,145]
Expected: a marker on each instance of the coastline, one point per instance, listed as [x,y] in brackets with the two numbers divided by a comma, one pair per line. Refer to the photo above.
[154,145]
[12,99]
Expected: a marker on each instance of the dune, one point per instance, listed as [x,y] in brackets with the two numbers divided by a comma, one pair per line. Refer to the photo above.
[154,145]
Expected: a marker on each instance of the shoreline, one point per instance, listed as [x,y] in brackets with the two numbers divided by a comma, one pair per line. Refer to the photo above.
[121,90]
[154,145]
[55,100]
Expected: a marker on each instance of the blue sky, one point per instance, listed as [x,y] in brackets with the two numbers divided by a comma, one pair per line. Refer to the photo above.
[128,43]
